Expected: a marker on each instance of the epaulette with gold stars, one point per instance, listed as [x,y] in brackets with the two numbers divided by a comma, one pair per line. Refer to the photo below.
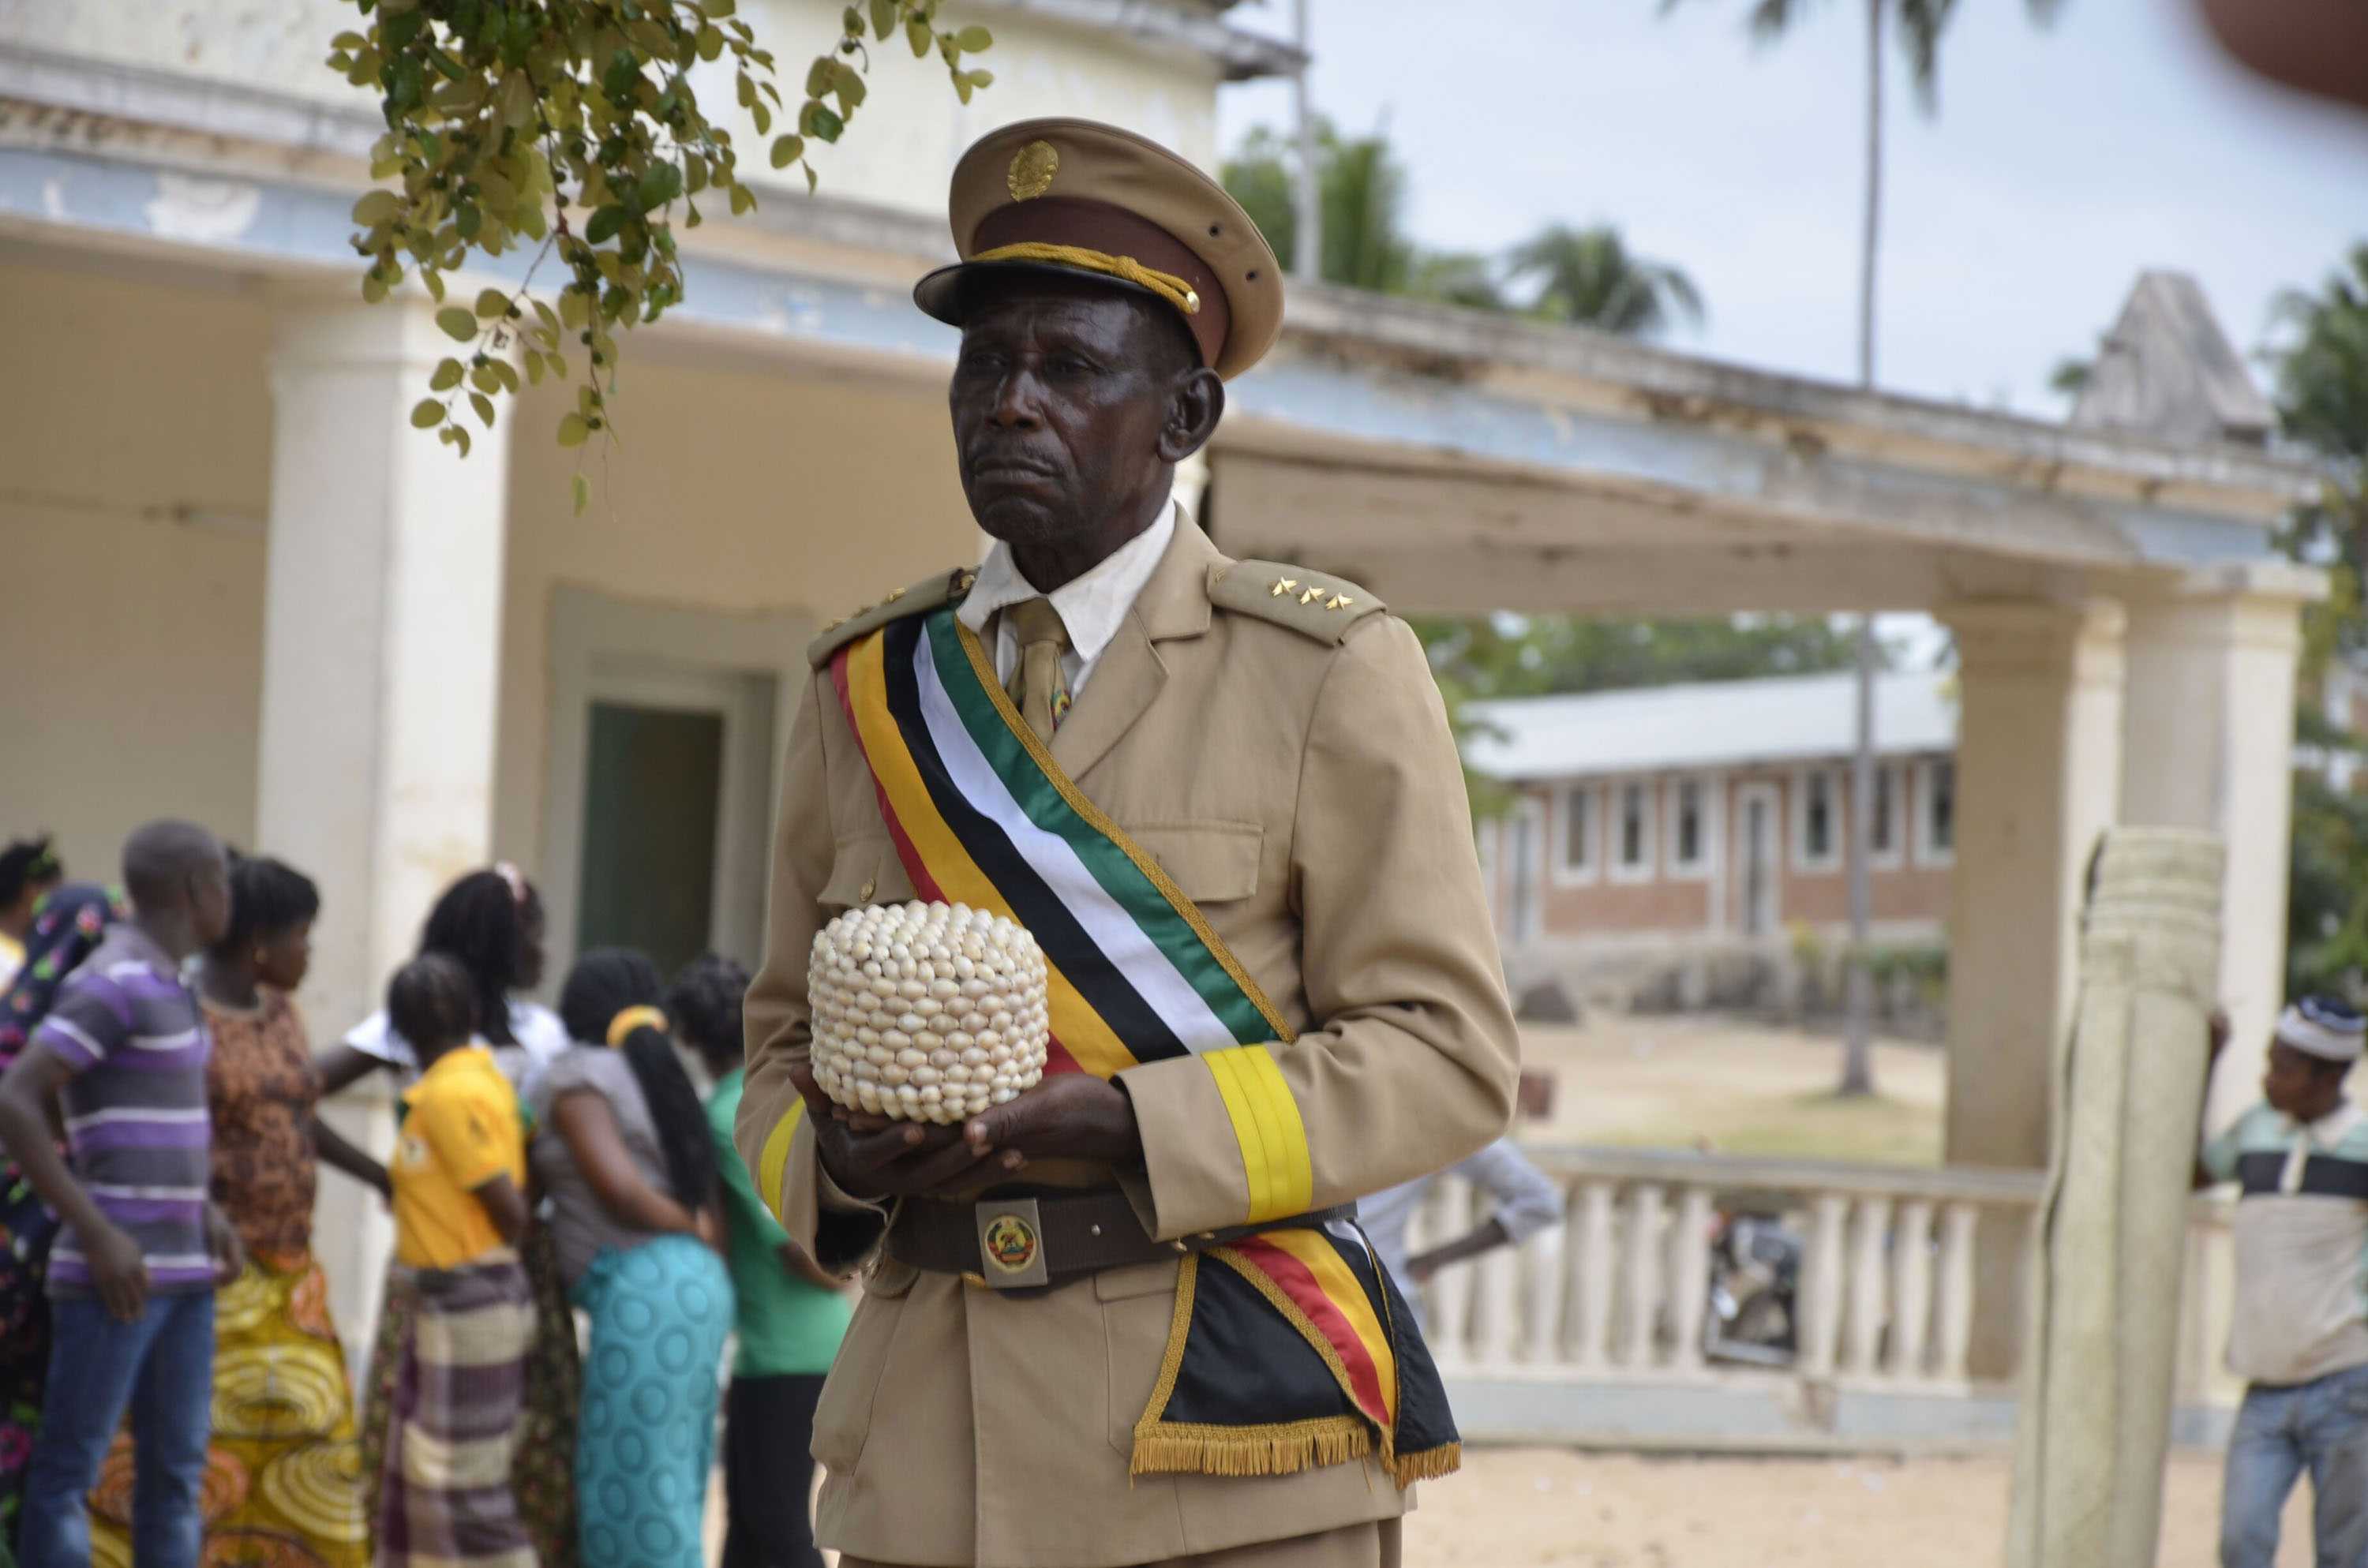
[926,595]
[1323,607]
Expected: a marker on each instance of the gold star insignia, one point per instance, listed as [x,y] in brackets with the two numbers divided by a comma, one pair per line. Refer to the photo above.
[1312,595]
[1339,601]
[1282,586]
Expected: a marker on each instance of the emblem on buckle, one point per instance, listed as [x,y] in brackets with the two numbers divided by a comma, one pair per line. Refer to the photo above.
[1011,1243]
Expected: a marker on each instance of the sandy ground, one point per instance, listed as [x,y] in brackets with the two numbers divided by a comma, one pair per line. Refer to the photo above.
[1679,1082]
[1512,1507]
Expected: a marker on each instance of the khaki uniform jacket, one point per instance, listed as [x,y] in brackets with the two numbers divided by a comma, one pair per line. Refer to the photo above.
[1291,769]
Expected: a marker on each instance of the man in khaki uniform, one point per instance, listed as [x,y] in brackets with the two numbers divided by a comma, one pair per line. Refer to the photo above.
[1275,741]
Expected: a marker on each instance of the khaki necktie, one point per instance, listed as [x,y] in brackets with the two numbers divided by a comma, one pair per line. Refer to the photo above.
[1036,685]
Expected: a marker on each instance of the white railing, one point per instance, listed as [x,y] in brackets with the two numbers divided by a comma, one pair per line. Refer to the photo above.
[1885,1305]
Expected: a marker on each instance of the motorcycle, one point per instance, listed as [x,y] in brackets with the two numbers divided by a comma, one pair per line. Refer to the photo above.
[1755,1278]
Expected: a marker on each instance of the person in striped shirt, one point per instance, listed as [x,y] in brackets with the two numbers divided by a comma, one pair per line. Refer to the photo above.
[120,1064]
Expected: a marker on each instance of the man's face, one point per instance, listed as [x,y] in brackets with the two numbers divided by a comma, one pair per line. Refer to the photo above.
[2299,1084]
[1058,402]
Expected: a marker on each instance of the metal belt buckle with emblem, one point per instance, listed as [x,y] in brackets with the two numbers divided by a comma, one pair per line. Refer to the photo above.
[1010,1244]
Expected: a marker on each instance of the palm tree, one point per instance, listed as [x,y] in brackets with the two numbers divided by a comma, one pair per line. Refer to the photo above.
[1922,23]
[1592,278]
[1361,187]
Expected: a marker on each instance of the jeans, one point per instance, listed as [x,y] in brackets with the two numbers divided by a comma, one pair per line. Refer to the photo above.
[2321,1425]
[162,1368]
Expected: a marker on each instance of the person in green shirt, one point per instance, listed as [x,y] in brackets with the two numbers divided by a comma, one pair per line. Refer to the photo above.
[792,1313]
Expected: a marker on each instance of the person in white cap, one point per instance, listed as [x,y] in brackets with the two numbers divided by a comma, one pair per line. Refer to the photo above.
[2299,1335]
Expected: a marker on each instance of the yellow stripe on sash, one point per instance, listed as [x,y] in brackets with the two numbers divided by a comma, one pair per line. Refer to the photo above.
[773,1162]
[1267,1125]
[1076,1025]
[1348,1298]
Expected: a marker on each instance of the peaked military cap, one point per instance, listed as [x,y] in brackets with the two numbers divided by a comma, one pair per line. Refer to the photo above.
[1077,198]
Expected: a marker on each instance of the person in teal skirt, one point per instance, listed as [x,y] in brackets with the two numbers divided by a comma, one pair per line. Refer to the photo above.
[792,1313]
[622,1149]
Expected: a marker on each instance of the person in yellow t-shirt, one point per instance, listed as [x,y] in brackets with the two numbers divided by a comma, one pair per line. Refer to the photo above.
[458,1174]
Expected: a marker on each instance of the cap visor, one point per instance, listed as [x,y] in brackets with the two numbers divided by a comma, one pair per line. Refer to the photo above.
[950,292]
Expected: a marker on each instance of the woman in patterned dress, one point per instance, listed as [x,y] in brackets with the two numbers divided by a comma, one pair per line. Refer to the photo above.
[283,1482]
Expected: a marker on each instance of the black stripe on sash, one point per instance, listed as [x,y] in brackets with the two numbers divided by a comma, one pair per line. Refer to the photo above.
[2323,1175]
[1137,1024]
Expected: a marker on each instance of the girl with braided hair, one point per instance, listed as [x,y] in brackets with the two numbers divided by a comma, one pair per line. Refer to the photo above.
[623,1148]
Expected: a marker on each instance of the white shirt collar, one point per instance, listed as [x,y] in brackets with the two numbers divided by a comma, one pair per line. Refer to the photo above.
[1092,606]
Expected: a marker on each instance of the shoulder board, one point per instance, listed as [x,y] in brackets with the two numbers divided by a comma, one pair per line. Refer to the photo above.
[923,597]
[1308,602]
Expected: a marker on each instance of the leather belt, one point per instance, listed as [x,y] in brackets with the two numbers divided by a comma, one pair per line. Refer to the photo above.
[1044,1238]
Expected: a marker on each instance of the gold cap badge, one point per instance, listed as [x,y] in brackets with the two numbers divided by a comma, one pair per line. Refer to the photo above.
[1032,168]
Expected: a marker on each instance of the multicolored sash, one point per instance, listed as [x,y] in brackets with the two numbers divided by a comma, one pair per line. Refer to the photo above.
[1296,1349]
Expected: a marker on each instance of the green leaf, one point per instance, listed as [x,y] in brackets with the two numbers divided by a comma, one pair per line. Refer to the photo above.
[507,375]
[851,22]
[459,438]
[961,86]
[467,220]
[375,208]
[484,378]
[426,413]
[820,76]
[604,224]
[492,302]
[972,39]
[710,42]
[849,83]
[582,488]
[813,179]
[718,8]
[982,78]
[788,150]
[516,99]
[883,16]
[484,408]
[660,184]
[433,281]
[534,367]
[762,116]
[573,430]
[373,288]
[459,324]
[820,124]
[448,376]
[349,41]
[916,33]
[741,200]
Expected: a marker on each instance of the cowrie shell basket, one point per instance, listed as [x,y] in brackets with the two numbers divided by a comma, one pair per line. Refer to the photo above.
[927,1012]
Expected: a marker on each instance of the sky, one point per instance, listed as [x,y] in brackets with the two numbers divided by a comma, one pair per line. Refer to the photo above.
[2061,161]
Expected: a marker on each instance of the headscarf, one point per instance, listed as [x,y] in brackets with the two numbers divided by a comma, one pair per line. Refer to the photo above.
[68,925]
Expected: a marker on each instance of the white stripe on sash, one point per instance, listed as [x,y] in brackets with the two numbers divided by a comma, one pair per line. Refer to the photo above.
[1154,978]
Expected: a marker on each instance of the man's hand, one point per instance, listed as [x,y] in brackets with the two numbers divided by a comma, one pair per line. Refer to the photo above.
[1069,1115]
[222,1241]
[117,1269]
[873,1158]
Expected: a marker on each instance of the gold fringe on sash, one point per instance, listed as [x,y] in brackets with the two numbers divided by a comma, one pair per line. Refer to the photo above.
[1283,1447]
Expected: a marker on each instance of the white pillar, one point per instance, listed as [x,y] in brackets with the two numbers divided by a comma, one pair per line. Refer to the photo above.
[381,663]
[2208,732]
[2039,776]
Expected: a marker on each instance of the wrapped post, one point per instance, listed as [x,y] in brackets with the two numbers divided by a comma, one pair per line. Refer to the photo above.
[2100,1369]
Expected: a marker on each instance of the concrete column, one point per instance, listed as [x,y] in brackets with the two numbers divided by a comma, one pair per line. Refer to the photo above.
[2208,734]
[2039,769]
[381,663]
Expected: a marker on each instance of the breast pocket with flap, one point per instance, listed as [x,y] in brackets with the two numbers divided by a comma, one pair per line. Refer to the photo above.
[1211,862]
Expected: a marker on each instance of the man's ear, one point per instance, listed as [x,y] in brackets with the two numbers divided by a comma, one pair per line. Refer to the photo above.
[1194,407]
